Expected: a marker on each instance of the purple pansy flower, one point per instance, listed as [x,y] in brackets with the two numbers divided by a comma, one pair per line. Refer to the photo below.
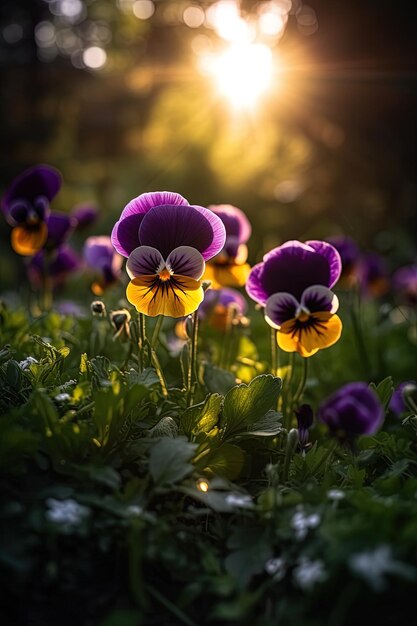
[349,254]
[354,409]
[229,267]
[84,215]
[405,284]
[397,404]
[292,268]
[293,283]
[100,256]
[63,262]
[60,227]
[167,241]
[373,275]
[165,220]
[26,207]
[221,306]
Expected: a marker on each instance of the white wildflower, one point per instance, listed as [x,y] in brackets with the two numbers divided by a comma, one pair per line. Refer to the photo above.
[134,510]
[309,573]
[66,512]
[276,567]
[239,500]
[301,523]
[373,565]
[26,363]
[335,494]
[62,397]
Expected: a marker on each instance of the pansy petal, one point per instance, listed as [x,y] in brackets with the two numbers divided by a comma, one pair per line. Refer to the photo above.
[318,298]
[230,275]
[236,223]
[292,268]
[186,261]
[332,256]
[323,333]
[60,226]
[290,343]
[280,308]
[176,297]
[254,285]
[146,201]
[125,234]
[98,252]
[168,227]
[41,180]
[28,241]
[144,261]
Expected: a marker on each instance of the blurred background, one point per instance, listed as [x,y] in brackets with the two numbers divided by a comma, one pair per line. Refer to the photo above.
[303,115]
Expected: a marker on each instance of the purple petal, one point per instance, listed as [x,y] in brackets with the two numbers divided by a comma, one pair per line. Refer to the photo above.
[125,234]
[146,201]
[354,409]
[225,297]
[186,261]
[41,180]
[279,308]
[144,261]
[60,226]
[235,221]
[292,268]
[65,261]
[85,214]
[347,248]
[254,285]
[169,227]
[98,252]
[318,298]
[330,253]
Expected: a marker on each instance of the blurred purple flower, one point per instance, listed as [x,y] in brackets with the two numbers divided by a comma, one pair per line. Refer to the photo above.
[350,256]
[60,227]
[221,306]
[101,257]
[373,275]
[165,220]
[57,267]
[237,225]
[26,207]
[292,268]
[354,409]
[404,282]
[305,418]
[84,215]
[397,404]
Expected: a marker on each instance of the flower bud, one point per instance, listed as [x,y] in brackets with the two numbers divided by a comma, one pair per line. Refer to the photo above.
[98,308]
[120,321]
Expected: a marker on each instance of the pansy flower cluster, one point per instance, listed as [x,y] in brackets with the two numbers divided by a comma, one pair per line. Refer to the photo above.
[166,241]
[293,284]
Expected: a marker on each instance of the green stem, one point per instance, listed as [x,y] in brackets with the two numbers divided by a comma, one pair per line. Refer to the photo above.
[274,352]
[156,331]
[192,374]
[287,392]
[170,606]
[142,339]
[301,386]
[159,372]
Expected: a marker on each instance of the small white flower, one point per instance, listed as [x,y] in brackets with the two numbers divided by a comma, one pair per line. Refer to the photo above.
[66,512]
[308,573]
[335,494]
[68,385]
[301,523]
[373,565]
[62,397]
[276,568]
[26,363]
[239,500]
[134,510]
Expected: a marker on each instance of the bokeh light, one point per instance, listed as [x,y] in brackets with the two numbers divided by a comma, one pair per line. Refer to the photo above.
[94,57]
[143,9]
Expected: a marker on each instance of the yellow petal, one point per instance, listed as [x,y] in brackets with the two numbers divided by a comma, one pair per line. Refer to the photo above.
[228,275]
[177,297]
[308,339]
[28,241]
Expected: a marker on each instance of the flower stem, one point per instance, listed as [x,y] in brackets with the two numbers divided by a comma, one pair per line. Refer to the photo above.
[159,372]
[287,395]
[142,339]
[274,352]
[192,373]
[301,386]
[156,331]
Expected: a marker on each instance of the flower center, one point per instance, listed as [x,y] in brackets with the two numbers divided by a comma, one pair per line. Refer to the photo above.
[165,274]
[302,314]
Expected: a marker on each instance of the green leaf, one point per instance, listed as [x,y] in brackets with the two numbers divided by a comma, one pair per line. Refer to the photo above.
[384,390]
[13,374]
[169,460]
[226,461]
[202,417]
[268,426]
[251,550]
[123,617]
[218,380]
[245,405]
